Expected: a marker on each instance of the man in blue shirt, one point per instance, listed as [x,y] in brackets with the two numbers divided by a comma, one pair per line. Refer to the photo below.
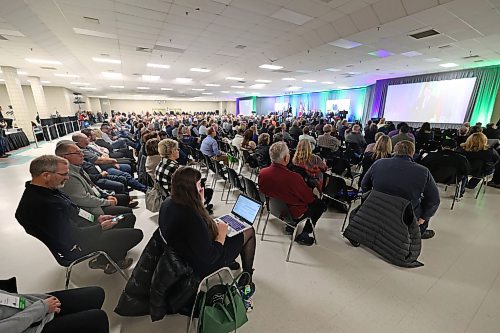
[210,148]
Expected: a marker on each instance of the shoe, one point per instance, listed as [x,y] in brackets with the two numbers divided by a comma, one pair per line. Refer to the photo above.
[354,243]
[133,204]
[107,267]
[428,234]
[125,263]
[210,207]
[304,239]
[288,230]
[234,266]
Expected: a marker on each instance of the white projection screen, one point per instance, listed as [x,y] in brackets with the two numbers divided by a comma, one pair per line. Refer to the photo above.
[443,101]
[245,106]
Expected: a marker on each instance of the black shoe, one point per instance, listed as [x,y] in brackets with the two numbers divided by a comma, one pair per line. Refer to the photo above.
[428,234]
[210,207]
[107,267]
[133,204]
[492,184]
[125,263]
[288,230]
[234,266]
[354,243]
[304,239]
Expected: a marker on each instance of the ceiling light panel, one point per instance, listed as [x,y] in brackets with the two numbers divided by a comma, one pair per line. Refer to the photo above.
[200,70]
[151,77]
[80,83]
[117,87]
[43,61]
[309,81]
[238,87]
[288,79]
[67,75]
[166,89]
[198,89]
[293,88]
[381,53]
[263,81]
[94,33]
[333,69]
[271,67]
[411,54]
[345,43]
[449,65]
[107,60]
[157,66]
[212,85]
[112,75]
[233,78]
[142,88]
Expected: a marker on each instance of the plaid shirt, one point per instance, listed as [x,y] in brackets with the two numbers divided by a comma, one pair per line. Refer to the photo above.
[164,172]
[328,141]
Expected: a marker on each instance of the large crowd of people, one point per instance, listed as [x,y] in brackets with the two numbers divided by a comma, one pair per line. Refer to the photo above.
[78,201]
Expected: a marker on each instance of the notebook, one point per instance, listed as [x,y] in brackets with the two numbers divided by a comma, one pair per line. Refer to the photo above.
[242,215]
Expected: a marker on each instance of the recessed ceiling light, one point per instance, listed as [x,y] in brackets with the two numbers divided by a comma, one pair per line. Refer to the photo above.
[142,88]
[117,87]
[411,54]
[333,69]
[111,75]
[272,67]
[212,85]
[167,89]
[381,53]
[233,78]
[183,80]
[303,71]
[241,92]
[42,61]
[328,82]
[22,73]
[88,88]
[2,80]
[201,70]
[46,82]
[80,83]
[94,33]
[225,91]
[207,93]
[157,65]
[107,60]
[103,96]
[263,81]
[198,89]
[257,86]
[288,79]
[345,43]
[432,59]
[449,64]
[150,77]
[238,87]
[291,16]
[309,81]
[293,88]
[67,75]
[343,87]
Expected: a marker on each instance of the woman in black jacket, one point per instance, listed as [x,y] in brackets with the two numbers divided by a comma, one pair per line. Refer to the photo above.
[193,234]
[261,153]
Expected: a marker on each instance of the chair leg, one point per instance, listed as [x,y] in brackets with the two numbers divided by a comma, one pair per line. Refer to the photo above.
[345,218]
[314,232]
[112,262]
[264,229]
[294,234]
[229,190]
[457,191]
[480,186]
[223,190]
[68,275]
[258,222]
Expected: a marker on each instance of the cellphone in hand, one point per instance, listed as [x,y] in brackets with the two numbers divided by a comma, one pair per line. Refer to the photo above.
[117,218]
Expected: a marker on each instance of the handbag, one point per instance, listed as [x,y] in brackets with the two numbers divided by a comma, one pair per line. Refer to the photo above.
[154,198]
[221,309]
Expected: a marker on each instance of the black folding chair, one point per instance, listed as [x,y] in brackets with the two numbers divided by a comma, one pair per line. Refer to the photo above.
[336,189]
[279,209]
[234,183]
[252,191]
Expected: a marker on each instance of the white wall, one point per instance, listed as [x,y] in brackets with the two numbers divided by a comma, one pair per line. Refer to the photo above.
[127,105]
[28,96]
[94,104]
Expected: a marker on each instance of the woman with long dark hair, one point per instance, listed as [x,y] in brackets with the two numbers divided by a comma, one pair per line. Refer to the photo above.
[188,228]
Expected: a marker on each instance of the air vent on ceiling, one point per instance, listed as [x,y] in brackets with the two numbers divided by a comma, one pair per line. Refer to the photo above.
[3,38]
[136,74]
[472,56]
[144,49]
[480,60]
[168,49]
[49,68]
[242,81]
[445,46]
[240,46]
[349,66]
[424,34]
[283,71]
[92,20]
[104,55]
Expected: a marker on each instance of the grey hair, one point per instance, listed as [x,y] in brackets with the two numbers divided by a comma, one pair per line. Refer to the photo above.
[404,148]
[45,163]
[327,128]
[77,136]
[278,151]
[62,147]
[166,147]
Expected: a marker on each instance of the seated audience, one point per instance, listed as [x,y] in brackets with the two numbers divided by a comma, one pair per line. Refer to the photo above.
[381,149]
[80,189]
[370,146]
[193,234]
[313,165]
[238,138]
[248,144]
[370,133]
[67,230]
[402,177]
[278,182]
[153,157]
[403,136]
[74,310]
[355,137]
[262,151]
[424,134]
[295,130]
[210,148]
[326,140]
[492,132]
[306,136]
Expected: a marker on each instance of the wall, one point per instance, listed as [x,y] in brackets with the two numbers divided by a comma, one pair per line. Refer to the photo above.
[28,96]
[127,105]
[60,99]
[496,109]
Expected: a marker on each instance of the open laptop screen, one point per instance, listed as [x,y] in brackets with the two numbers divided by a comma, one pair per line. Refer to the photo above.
[246,209]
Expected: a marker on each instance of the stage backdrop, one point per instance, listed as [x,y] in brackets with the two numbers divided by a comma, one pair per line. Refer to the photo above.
[300,103]
[482,99]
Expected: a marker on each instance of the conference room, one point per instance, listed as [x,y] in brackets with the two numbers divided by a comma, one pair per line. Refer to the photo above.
[317,122]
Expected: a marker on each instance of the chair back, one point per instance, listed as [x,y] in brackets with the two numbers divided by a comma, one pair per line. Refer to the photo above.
[478,167]
[234,180]
[280,209]
[341,167]
[249,159]
[209,163]
[251,190]
[335,187]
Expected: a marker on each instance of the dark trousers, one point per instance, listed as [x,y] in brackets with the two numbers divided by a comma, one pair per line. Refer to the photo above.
[115,242]
[314,212]
[111,185]
[80,312]
[131,181]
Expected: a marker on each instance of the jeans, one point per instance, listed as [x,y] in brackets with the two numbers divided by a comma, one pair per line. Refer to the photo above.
[123,167]
[112,185]
[80,312]
[131,181]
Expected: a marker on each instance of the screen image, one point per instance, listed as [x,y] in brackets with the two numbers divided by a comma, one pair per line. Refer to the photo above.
[443,101]
[246,209]
[245,106]
[278,107]
[336,105]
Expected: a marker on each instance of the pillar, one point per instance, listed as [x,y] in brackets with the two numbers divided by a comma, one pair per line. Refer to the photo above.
[39,97]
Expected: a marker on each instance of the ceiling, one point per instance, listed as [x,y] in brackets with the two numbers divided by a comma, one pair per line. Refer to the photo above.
[232,38]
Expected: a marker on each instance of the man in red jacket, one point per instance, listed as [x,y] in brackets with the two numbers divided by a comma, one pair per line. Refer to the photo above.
[277,181]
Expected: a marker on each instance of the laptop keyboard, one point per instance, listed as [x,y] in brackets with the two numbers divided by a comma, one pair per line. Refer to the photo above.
[232,222]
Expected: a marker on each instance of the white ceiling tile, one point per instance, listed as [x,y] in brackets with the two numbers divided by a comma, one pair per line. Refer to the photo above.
[345,27]
[464,8]
[413,6]
[309,8]
[365,18]
[331,15]
[256,6]
[312,39]
[389,10]
[352,6]
[327,33]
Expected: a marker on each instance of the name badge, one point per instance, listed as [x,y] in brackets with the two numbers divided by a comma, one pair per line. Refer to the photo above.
[96,191]
[86,215]
[13,301]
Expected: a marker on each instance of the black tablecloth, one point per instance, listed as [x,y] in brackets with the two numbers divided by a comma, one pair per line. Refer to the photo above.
[61,129]
[16,140]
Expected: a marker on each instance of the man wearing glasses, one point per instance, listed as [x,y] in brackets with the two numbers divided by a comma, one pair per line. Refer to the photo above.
[67,230]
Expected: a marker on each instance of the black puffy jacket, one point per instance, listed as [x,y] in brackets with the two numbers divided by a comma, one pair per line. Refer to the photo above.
[161,283]
[387,225]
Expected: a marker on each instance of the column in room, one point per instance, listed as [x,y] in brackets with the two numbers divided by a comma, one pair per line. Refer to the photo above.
[39,97]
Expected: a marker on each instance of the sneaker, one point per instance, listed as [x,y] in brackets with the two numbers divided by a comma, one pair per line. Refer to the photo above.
[234,266]
[304,239]
[428,234]
[107,267]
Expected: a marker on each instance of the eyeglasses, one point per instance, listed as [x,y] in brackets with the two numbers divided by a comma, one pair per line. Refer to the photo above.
[66,174]
[75,153]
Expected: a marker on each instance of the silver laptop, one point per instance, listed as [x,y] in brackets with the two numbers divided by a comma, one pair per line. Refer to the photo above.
[242,217]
